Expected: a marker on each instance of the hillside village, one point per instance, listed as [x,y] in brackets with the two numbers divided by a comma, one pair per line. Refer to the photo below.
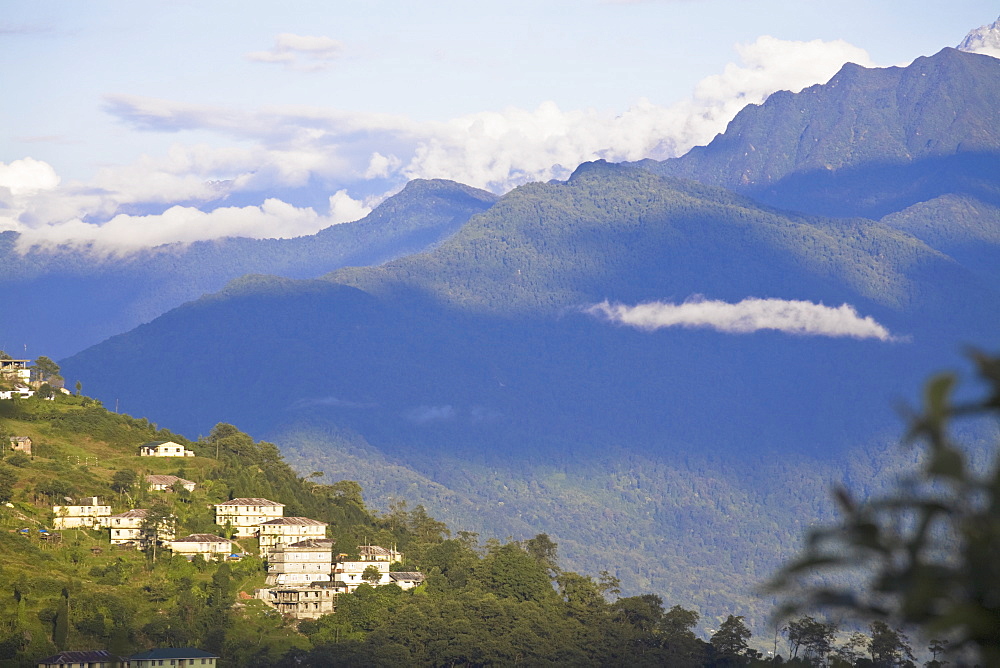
[303,573]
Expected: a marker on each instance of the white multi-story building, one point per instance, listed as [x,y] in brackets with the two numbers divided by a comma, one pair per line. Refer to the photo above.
[127,527]
[206,544]
[301,563]
[246,515]
[288,530]
[302,602]
[87,513]
[349,574]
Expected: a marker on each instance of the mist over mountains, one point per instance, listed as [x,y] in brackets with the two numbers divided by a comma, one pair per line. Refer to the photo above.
[801,275]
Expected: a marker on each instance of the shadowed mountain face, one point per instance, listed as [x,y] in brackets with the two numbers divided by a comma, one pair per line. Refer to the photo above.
[482,342]
[474,376]
[88,297]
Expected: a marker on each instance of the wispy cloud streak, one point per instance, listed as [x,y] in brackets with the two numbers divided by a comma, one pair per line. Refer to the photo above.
[307,53]
[750,315]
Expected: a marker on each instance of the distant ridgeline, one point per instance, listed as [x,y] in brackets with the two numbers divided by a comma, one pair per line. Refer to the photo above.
[505,379]
[90,295]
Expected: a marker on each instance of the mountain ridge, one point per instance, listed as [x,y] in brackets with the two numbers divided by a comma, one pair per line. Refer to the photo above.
[88,301]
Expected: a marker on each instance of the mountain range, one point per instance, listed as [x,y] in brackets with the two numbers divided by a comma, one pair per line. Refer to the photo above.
[92,293]
[494,376]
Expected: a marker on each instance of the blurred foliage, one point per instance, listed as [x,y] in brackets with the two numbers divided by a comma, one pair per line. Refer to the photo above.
[926,552]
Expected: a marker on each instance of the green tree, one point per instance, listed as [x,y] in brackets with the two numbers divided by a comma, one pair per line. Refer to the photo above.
[730,641]
[159,521]
[508,571]
[683,648]
[813,637]
[45,369]
[926,552]
[7,481]
[372,575]
[124,480]
[543,550]
[888,647]
[60,627]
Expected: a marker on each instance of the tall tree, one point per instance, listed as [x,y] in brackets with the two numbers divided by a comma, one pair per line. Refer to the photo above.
[889,647]
[60,628]
[730,641]
[158,522]
[124,480]
[45,369]
[7,481]
[813,637]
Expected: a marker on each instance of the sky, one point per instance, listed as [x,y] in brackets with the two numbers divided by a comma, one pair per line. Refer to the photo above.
[127,125]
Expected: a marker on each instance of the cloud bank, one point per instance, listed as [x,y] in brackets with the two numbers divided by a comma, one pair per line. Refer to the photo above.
[362,156]
[800,318]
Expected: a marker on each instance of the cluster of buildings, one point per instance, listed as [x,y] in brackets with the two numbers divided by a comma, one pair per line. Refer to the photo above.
[304,575]
[17,373]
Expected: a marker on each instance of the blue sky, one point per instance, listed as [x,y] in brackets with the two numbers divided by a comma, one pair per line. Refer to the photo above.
[135,124]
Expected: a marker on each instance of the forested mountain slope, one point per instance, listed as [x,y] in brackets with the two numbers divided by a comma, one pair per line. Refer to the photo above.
[88,297]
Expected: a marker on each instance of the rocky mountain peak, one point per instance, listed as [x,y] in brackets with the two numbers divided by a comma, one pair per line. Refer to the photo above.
[984,39]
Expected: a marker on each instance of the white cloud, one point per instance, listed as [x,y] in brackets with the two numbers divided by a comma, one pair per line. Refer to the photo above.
[344,209]
[306,53]
[309,147]
[501,149]
[185,224]
[750,315]
[27,176]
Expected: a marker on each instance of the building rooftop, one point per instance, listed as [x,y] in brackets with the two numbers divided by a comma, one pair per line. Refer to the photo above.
[375,551]
[82,657]
[174,653]
[299,521]
[165,480]
[250,502]
[135,512]
[320,543]
[203,538]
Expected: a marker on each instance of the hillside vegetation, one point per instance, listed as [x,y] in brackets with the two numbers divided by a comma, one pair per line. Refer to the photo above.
[483,603]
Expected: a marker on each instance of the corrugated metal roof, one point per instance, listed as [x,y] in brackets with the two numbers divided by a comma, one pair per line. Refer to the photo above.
[250,502]
[299,521]
[203,538]
[135,512]
[174,653]
[166,480]
[88,656]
